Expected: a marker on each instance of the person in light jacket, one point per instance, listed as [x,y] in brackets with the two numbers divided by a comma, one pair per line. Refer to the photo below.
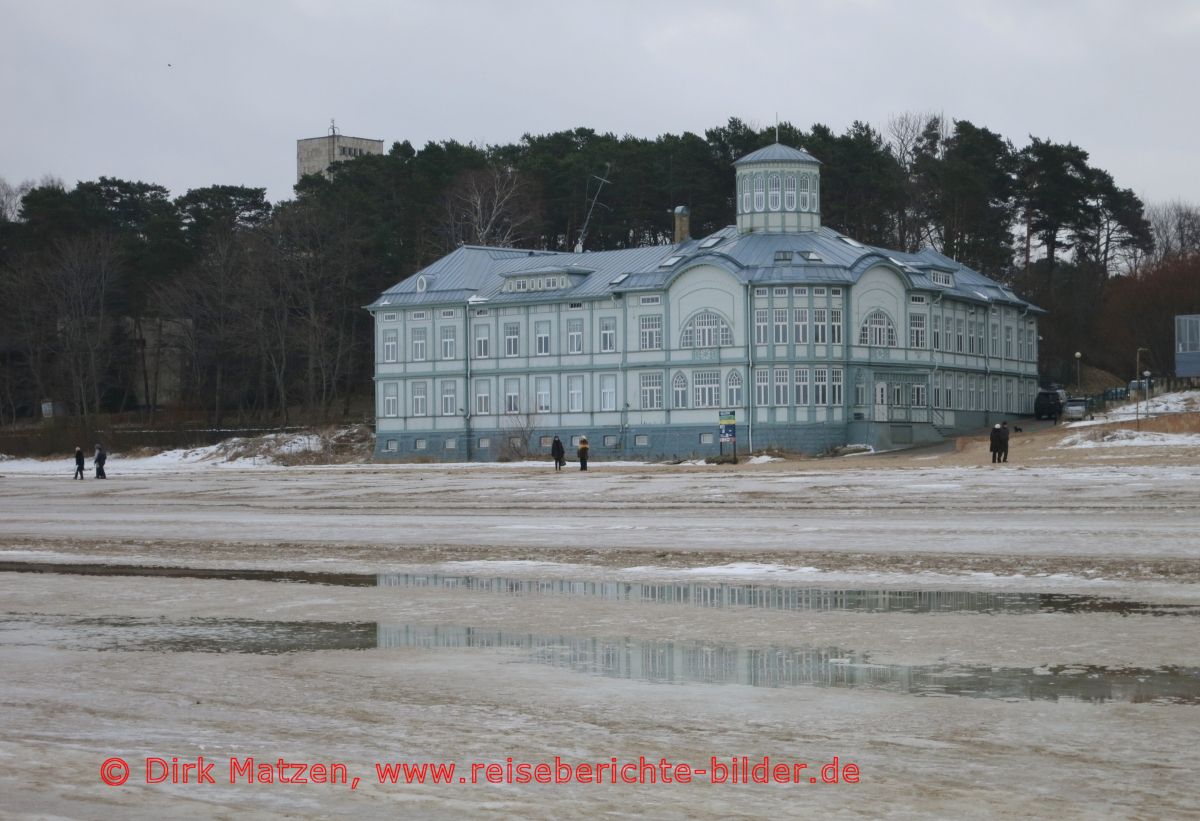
[559,453]
[582,453]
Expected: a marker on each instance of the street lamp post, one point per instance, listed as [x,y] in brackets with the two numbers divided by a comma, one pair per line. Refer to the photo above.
[1078,357]
[1137,400]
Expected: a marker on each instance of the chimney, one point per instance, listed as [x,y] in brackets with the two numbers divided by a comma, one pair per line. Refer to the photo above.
[683,228]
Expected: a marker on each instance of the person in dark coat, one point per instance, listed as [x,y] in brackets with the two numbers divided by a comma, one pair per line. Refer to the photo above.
[98,460]
[995,443]
[79,463]
[1004,434]
[582,453]
[559,453]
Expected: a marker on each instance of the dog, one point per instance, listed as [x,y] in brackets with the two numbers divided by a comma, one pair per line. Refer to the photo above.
[1017,429]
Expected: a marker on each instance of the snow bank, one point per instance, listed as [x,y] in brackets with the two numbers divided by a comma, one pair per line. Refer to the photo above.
[1129,438]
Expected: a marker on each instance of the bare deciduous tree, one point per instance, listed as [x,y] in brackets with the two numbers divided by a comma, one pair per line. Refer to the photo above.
[487,207]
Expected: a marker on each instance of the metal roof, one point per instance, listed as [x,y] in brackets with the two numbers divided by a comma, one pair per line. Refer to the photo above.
[777,152]
[822,256]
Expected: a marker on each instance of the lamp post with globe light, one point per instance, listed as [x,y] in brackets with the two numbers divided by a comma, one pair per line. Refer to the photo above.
[1078,358]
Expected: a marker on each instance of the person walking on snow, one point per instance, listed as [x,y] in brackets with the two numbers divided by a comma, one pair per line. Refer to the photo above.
[559,453]
[1004,433]
[582,453]
[98,460]
[79,463]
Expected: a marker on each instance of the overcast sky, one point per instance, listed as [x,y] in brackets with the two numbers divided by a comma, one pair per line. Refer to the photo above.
[200,93]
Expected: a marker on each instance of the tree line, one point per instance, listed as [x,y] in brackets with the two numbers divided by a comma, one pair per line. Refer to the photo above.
[115,296]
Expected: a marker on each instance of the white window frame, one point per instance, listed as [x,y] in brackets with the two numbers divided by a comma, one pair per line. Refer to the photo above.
[449,337]
[449,395]
[542,393]
[575,394]
[679,390]
[574,336]
[800,379]
[835,326]
[916,330]
[820,332]
[733,389]
[801,322]
[542,338]
[512,396]
[483,397]
[782,381]
[762,387]
[774,189]
[761,326]
[650,384]
[650,332]
[781,326]
[706,389]
[483,341]
[419,394]
[417,346]
[390,346]
[608,392]
[608,334]
[512,339]
[789,192]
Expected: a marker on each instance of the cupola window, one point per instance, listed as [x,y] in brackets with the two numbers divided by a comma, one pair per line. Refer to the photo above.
[789,192]
[759,196]
[773,186]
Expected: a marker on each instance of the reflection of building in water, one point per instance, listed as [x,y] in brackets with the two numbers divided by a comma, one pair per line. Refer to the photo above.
[680,662]
[718,595]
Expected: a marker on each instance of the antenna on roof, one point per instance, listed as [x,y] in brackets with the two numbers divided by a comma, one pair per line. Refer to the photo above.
[776,126]
[333,129]
[592,207]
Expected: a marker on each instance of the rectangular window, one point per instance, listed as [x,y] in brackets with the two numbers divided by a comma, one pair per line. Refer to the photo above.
[835,326]
[419,444]
[650,332]
[608,392]
[451,444]
[706,387]
[391,445]
[937,332]
[1030,348]
[917,299]
[650,300]
[448,338]
[781,325]
[801,377]
[542,389]
[541,332]
[818,292]
[760,326]
[575,394]
[706,438]
[449,398]
[512,396]
[762,387]
[389,346]
[801,322]
[819,325]
[574,336]
[418,344]
[448,313]
[821,386]
[918,396]
[916,330]
[483,342]
[483,397]
[960,391]
[485,442]
[391,401]
[995,339]
[835,386]
[760,291]
[389,318]
[641,440]
[420,401]
[652,391]
[958,336]
[860,394]
[416,315]
[782,291]
[782,386]
[800,291]
[608,334]
[1008,342]
[512,339]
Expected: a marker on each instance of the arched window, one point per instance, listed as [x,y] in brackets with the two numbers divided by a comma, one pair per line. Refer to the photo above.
[773,186]
[804,192]
[733,389]
[877,331]
[679,386]
[789,192]
[815,205]
[706,330]
[746,194]
[760,199]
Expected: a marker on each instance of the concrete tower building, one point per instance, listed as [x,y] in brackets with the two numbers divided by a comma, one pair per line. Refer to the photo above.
[314,155]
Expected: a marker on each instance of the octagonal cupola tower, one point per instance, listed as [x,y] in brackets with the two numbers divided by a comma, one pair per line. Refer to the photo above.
[778,191]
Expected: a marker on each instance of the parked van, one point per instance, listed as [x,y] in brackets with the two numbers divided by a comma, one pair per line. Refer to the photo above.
[1141,385]
[1048,404]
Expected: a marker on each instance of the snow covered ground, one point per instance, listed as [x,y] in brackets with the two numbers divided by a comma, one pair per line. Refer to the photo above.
[981,641]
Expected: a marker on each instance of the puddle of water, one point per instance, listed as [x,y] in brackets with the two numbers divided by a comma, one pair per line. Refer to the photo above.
[655,661]
[696,594]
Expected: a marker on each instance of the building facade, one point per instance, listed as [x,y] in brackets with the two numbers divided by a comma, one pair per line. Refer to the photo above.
[809,338]
[314,155]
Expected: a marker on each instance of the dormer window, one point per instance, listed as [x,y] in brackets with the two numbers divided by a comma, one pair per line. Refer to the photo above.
[946,280]
[773,188]
[789,192]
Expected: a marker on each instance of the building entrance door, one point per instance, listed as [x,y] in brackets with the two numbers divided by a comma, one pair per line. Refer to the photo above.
[881,402]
